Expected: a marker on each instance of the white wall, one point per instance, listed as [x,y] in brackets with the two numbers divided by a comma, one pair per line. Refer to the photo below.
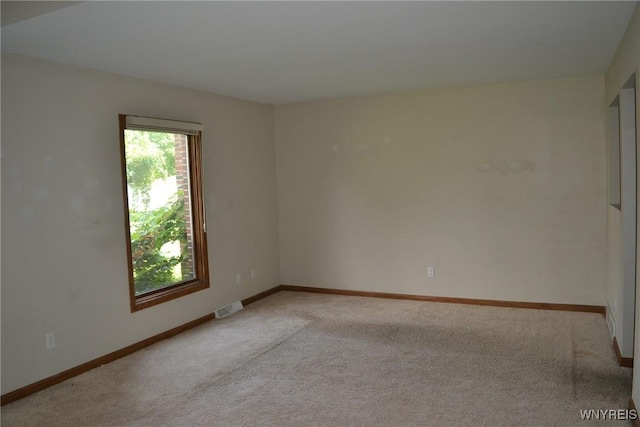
[502,188]
[64,258]
[625,62]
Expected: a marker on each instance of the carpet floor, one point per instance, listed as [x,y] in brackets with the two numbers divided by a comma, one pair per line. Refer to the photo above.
[301,359]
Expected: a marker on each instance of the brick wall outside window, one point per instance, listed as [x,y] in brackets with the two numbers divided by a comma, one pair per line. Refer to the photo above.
[182,181]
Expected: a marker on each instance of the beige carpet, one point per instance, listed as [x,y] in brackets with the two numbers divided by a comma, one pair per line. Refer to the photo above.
[300,359]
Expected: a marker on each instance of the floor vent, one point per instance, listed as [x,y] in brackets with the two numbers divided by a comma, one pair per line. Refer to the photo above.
[611,321]
[228,309]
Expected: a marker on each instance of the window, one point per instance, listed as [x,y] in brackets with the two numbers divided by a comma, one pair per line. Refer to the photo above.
[164,209]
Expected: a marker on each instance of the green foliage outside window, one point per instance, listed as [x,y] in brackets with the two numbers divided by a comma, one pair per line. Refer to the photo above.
[153,229]
[150,157]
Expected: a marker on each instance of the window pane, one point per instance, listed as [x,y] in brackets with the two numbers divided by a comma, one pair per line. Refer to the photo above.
[160,215]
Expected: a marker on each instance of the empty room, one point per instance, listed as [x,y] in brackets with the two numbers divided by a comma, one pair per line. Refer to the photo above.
[319,213]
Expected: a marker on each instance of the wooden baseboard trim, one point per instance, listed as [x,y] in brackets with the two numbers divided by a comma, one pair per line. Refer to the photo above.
[85,367]
[261,295]
[625,362]
[80,369]
[494,303]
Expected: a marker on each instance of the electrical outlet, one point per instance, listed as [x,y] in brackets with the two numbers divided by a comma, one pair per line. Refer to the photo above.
[253,274]
[238,278]
[50,339]
[431,272]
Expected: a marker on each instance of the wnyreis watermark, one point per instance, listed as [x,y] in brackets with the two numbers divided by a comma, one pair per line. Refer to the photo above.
[609,414]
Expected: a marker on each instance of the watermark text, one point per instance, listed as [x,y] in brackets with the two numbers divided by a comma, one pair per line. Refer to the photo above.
[609,414]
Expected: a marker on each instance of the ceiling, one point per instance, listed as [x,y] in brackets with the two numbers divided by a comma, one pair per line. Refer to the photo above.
[285,52]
